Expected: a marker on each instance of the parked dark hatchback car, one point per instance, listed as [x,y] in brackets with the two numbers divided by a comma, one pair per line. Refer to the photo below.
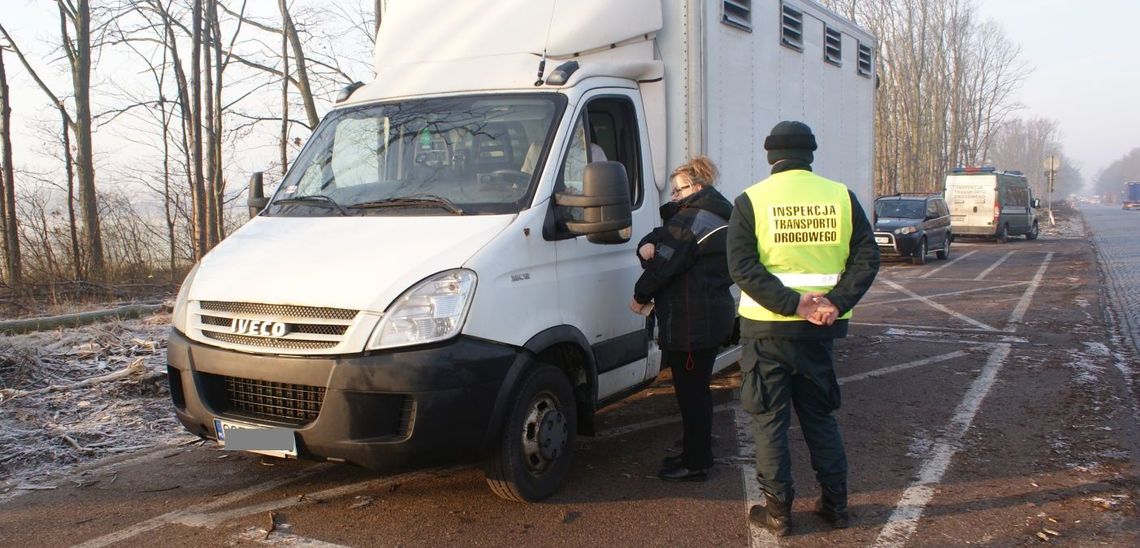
[912,226]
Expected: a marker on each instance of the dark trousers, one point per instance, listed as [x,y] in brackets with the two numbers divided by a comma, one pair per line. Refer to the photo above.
[778,374]
[692,372]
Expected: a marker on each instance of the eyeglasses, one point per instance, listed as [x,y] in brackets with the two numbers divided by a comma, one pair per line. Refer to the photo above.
[680,189]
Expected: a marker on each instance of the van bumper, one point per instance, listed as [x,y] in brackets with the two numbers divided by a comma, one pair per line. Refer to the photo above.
[380,410]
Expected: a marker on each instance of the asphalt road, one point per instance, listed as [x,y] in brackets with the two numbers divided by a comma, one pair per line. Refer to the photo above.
[988,399]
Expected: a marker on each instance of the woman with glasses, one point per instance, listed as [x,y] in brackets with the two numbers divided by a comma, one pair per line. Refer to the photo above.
[686,280]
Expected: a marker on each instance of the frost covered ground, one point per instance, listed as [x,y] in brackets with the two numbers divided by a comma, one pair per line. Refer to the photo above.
[70,396]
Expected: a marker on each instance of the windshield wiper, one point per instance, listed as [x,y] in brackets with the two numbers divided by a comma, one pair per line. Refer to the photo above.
[411,201]
[314,199]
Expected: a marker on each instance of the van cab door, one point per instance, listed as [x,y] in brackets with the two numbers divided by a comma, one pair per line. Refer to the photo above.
[595,280]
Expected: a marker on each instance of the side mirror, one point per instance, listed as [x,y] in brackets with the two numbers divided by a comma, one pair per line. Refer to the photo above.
[606,211]
[257,199]
[1036,203]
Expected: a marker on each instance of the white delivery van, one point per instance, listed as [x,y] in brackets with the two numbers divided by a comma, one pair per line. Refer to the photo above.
[444,273]
[988,203]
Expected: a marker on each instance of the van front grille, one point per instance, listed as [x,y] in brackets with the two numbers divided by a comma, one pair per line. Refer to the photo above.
[293,404]
[262,342]
[293,327]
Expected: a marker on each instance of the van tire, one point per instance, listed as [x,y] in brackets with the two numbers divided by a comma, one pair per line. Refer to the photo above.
[1003,234]
[920,253]
[536,445]
[1033,232]
[944,253]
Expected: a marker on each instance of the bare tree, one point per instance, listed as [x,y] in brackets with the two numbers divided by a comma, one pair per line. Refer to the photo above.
[68,125]
[78,15]
[10,225]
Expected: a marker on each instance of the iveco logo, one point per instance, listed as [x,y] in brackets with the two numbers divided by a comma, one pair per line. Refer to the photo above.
[259,328]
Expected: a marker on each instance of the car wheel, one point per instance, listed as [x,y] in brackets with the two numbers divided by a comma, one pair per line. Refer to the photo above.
[1003,234]
[944,253]
[537,441]
[1033,232]
[920,253]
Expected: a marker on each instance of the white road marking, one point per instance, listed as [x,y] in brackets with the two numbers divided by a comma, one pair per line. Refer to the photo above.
[986,272]
[937,306]
[172,517]
[863,304]
[952,261]
[212,520]
[1023,305]
[902,367]
[904,520]
[758,537]
[968,337]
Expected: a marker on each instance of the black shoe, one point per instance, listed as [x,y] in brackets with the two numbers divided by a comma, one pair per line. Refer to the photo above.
[673,461]
[832,506]
[772,516]
[837,519]
[680,473]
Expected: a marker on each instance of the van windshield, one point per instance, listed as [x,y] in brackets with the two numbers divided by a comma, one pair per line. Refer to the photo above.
[453,156]
[900,209]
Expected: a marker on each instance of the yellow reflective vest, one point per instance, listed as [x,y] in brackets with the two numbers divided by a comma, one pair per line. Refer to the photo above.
[803,235]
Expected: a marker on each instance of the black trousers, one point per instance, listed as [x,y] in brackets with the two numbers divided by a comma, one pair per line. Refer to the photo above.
[777,376]
[692,372]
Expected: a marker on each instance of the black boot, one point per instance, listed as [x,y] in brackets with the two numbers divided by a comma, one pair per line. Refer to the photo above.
[832,506]
[772,515]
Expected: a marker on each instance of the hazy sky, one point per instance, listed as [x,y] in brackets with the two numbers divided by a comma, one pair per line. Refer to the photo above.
[1086,71]
[1083,55]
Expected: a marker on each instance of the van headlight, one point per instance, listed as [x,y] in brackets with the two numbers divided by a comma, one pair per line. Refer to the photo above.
[178,317]
[906,230]
[432,310]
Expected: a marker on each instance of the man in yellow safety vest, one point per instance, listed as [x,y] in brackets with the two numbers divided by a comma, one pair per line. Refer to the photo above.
[803,253]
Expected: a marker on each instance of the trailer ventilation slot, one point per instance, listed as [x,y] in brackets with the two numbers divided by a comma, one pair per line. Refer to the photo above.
[738,13]
[792,35]
[832,46]
[864,60]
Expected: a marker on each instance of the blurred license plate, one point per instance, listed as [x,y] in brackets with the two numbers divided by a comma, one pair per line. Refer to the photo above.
[266,440]
[882,240]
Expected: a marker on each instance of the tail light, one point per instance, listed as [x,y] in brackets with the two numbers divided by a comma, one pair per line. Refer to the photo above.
[997,213]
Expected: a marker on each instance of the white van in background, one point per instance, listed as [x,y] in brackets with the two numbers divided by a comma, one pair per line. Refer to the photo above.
[444,273]
[988,203]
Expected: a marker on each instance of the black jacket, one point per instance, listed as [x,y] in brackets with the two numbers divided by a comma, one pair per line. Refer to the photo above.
[767,290]
[688,277]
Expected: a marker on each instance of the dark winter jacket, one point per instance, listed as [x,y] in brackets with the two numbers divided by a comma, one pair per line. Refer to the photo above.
[688,277]
[767,290]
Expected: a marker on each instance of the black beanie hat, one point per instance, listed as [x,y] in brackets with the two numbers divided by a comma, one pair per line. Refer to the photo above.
[790,141]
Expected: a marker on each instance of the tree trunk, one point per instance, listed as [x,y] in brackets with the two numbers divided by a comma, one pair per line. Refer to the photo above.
[219,181]
[378,10]
[10,226]
[210,135]
[85,155]
[77,261]
[285,102]
[201,233]
[302,72]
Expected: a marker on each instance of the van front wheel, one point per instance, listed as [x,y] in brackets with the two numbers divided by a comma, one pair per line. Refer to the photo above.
[1033,232]
[537,443]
